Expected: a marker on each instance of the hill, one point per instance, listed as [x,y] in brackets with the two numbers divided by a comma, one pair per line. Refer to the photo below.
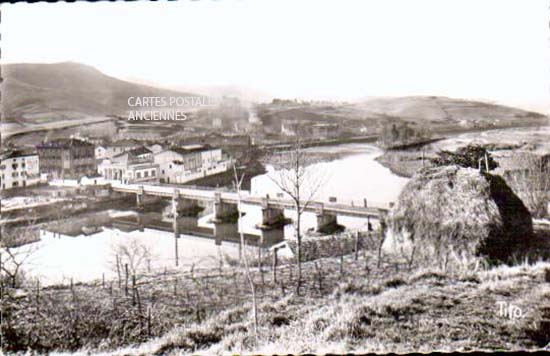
[443,110]
[35,93]
[438,114]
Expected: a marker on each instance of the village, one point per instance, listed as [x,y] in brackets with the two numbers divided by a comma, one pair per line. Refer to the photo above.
[202,178]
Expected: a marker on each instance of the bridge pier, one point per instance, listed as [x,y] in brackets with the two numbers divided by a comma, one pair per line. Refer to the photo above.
[182,206]
[272,218]
[224,212]
[140,197]
[325,221]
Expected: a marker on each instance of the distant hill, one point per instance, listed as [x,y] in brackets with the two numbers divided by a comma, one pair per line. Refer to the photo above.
[34,93]
[432,113]
[443,110]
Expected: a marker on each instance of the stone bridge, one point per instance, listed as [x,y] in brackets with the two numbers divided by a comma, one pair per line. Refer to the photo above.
[225,204]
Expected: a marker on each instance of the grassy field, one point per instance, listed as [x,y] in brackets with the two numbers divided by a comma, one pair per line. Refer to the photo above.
[347,303]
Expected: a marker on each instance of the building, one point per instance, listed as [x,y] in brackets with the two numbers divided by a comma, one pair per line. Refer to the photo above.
[18,168]
[67,158]
[324,130]
[110,150]
[309,129]
[100,152]
[156,148]
[291,127]
[133,166]
[186,163]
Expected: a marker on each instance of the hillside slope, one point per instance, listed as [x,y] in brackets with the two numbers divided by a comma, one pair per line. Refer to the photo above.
[438,114]
[32,93]
[439,110]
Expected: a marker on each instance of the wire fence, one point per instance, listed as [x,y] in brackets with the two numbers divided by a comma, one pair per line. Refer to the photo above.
[137,306]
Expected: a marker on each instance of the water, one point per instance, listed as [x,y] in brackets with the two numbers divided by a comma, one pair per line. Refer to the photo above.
[350,179]
[85,258]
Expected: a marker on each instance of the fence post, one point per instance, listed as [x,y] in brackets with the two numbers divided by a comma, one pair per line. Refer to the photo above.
[356,245]
[341,258]
[37,293]
[118,271]
[149,321]
[275,265]
[319,277]
[103,280]
[126,279]
[133,289]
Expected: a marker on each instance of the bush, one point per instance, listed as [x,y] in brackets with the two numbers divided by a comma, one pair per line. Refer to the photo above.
[470,156]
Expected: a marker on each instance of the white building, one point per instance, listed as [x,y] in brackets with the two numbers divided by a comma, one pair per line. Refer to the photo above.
[183,164]
[18,169]
[134,166]
[110,150]
[156,148]
[100,152]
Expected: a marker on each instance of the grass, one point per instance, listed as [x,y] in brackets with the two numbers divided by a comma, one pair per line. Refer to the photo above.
[364,309]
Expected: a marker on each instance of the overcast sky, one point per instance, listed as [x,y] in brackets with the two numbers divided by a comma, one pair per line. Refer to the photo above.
[497,50]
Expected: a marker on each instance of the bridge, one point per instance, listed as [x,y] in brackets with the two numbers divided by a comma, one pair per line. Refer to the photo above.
[225,203]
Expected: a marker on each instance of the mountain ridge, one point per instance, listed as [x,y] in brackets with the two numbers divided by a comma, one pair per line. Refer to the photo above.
[41,92]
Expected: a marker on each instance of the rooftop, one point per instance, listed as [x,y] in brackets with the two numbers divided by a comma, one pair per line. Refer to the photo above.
[64,143]
[183,150]
[125,143]
[139,151]
[14,153]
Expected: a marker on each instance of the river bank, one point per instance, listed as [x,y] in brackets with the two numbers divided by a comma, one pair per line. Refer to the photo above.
[406,162]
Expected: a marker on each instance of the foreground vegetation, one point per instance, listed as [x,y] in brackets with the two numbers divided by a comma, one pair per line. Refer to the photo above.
[347,303]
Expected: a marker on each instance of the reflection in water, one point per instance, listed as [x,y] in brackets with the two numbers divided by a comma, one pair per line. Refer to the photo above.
[84,258]
[202,243]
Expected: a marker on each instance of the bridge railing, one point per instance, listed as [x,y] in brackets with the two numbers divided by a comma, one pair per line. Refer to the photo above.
[195,187]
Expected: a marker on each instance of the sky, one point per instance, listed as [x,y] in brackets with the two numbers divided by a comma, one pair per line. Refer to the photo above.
[498,50]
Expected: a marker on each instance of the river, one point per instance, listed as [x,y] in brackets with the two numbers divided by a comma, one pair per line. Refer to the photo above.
[351,178]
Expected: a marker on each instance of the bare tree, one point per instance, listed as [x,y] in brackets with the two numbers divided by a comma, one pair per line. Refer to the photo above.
[238,180]
[15,251]
[135,254]
[532,182]
[301,183]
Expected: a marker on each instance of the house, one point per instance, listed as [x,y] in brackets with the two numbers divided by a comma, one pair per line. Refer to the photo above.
[156,148]
[18,168]
[67,158]
[141,152]
[119,147]
[324,130]
[186,163]
[133,166]
[100,152]
[290,127]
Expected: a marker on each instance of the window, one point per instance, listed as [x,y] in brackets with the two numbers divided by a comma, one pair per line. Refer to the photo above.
[138,175]
[15,184]
[146,174]
[153,173]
